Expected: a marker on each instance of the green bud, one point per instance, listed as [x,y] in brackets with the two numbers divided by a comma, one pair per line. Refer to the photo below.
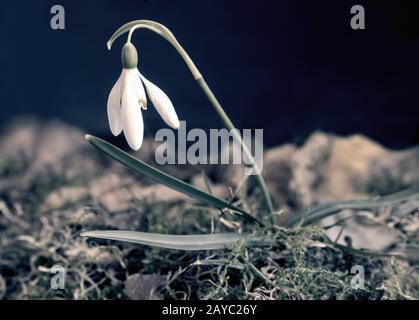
[129,56]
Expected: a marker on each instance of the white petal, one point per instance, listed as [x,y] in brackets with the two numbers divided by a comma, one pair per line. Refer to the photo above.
[162,103]
[114,107]
[139,90]
[132,119]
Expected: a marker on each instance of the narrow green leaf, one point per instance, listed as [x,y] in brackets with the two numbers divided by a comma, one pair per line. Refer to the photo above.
[321,211]
[166,179]
[367,252]
[361,251]
[179,242]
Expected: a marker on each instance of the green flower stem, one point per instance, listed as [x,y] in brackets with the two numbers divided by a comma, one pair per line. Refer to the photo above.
[167,34]
[248,155]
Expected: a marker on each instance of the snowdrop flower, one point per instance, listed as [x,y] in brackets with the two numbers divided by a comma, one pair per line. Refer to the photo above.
[128,97]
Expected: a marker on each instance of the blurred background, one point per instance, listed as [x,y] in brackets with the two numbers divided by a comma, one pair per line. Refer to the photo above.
[339,109]
[289,67]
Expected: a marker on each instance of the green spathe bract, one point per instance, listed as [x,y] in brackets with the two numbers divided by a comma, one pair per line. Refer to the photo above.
[129,56]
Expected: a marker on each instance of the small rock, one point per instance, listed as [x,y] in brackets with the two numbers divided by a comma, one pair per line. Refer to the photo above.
[109,182]
[364,233]
[157,192]
[277,172]
[82,216]
[117,200]
[307,165]
[64,196]
[219,190]
[143,286]
[2,287]
[99,255]
[19,139]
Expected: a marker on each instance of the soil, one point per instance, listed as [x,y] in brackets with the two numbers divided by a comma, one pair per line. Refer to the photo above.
[54,185]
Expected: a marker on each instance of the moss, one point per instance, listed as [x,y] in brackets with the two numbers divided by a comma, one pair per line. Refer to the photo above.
[297,265]
[40,186]
[14,167]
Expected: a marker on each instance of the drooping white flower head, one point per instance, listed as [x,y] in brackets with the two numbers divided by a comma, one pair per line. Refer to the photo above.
[128,97]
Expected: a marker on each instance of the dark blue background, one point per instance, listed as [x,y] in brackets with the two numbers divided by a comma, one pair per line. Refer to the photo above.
[289,67]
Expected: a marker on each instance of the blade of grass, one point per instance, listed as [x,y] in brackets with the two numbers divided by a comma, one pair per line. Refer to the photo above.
[179,242]
[166,179]
[220,263]
[322,211]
